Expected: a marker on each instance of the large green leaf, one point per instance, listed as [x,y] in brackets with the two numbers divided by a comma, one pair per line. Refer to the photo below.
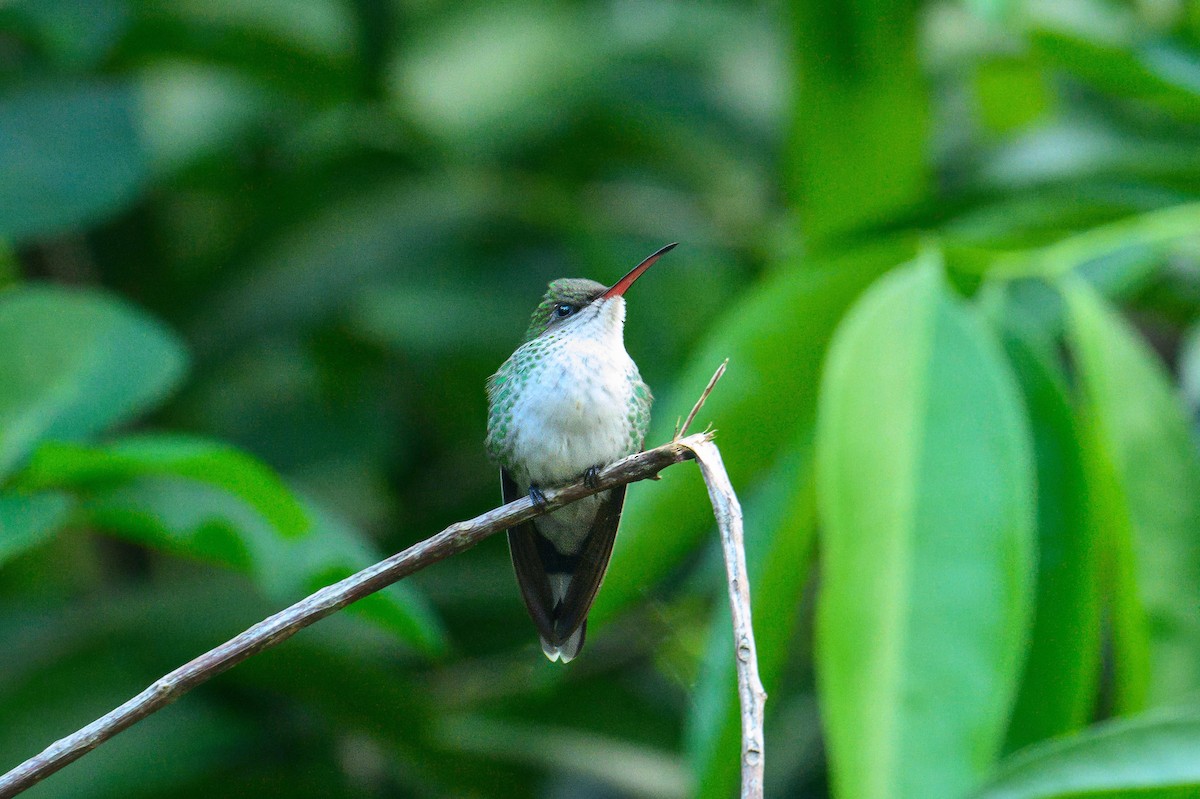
[56,465]
[75,363]
[1146,473]
[69,154]
[775,339]
[1155,756]
[1058,689]
[26,521]
[925,487]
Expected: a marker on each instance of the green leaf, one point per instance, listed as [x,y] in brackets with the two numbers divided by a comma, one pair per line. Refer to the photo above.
[1143,461]
[1154,756]
[775,339]
[69,155]
[783,513]
[925,487]
[76,363]
[192,519]
[1058,689]
[56,465]
[26,521]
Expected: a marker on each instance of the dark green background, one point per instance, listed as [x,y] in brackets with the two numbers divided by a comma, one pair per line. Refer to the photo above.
[258,257]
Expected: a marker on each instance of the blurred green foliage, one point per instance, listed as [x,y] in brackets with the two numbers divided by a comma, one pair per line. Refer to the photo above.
[257,258]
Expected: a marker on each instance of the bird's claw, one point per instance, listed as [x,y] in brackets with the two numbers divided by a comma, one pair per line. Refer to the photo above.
[591,478]
[537,497]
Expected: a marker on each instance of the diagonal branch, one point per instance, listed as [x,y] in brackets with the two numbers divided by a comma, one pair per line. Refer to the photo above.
[271,631]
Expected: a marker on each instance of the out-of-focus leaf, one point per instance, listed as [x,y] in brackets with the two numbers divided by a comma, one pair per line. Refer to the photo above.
[63,666]
[1062,160]
[775,338]
[56,465]
[1011,93]
[1058,689]
[412,319]
[73,33]
[499,76]
[192,519]
[782,515]
[633,770]
[338,550]
[1143,461]
[1160,74]
[305,50]
[1154,756]
[27,520]
[926,492]
[1142,236]
[193,111]
[10,269]
[499,71]
[323,27]
[322,264]
[69,155]
[861,114]
[71,691]
[75,363]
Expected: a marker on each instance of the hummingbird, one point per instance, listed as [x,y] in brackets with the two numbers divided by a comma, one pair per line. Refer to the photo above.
[568,402]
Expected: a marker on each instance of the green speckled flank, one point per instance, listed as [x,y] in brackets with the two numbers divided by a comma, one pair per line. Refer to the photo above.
[504,388]
[639,411]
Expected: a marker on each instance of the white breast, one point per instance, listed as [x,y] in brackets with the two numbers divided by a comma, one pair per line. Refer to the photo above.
[575,414]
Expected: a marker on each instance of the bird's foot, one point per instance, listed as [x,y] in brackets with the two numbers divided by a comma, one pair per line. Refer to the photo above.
[591,478]
[537,497]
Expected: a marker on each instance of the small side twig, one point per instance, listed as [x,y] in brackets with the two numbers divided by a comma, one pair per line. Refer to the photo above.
[712,381]
[750,688]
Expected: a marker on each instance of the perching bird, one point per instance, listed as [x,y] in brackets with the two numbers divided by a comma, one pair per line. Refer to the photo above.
[568,402]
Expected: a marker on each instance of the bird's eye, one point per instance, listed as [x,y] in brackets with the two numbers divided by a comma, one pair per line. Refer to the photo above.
[563,310]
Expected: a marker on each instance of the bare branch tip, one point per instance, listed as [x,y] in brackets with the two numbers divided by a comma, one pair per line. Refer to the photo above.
[703,396]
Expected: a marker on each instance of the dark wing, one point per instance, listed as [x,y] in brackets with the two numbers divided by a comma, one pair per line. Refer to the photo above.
[591,566]
[527,563]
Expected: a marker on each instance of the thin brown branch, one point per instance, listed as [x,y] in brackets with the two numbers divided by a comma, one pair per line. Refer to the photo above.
[712,381]
[750,689]
[286,623]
